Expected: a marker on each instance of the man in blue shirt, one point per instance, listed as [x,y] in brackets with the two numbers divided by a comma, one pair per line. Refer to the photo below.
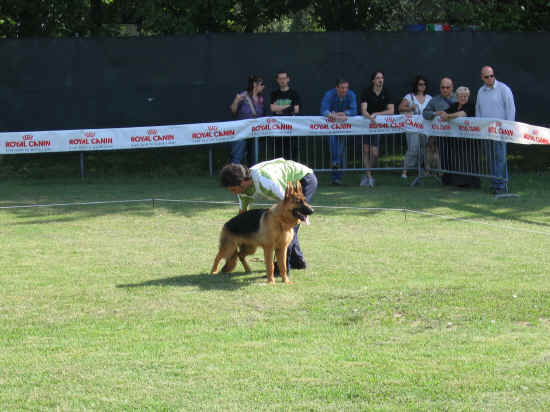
[495,100]
[337,105]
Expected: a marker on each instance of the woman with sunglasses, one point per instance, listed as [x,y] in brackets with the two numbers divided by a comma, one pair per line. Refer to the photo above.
[414,103]
[247,105]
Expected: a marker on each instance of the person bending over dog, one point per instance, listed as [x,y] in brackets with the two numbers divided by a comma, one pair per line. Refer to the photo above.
[270,179]
[272,229]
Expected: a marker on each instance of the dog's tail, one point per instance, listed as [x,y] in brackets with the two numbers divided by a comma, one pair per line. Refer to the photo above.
[230,263]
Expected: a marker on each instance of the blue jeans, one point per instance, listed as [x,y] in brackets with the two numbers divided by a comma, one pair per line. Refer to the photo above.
[496,154]
[238,150]
[337,155]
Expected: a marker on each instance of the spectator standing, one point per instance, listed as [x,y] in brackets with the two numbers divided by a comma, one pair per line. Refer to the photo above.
[337,105]
[375,100]
[438,104]
[495,100]
[247,105]
[284,101]
[414,103]
[436,107]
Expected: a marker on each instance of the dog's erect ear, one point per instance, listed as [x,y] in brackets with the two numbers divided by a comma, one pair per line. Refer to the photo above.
[289,190]
[298,187]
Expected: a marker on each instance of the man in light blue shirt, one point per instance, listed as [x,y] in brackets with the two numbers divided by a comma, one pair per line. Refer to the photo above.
[337,105]
[495,100]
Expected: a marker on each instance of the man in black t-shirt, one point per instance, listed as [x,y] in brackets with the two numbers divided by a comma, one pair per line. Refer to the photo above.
[375,100]
[284,102]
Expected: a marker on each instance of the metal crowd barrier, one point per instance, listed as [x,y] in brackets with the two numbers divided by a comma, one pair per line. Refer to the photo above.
[439,156]
[314,151]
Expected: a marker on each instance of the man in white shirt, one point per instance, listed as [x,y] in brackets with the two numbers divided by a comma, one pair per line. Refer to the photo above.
[495,100]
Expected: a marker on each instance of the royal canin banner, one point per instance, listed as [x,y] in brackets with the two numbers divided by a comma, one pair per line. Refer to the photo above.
[221,132]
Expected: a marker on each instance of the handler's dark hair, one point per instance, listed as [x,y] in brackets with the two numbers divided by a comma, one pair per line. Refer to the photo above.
[233,174]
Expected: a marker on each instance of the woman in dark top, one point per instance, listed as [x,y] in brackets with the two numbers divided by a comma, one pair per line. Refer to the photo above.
[463,107]
[461,153]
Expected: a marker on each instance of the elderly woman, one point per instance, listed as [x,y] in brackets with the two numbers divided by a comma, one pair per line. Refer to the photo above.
[461,108]
[460,152]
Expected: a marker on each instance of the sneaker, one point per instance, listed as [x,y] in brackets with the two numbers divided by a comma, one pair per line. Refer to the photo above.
[337,182]
[403,176]
[371,182]
[364,181]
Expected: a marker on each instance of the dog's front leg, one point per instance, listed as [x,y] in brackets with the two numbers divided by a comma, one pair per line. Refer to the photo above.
[281,261]
[268,258]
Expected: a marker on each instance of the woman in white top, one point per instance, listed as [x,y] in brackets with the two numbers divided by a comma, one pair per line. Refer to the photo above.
[414,103]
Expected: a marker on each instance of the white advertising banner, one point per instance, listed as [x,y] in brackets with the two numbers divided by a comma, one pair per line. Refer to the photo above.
[220,132]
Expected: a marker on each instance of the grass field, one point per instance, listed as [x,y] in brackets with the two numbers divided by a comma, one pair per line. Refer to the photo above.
[110,307]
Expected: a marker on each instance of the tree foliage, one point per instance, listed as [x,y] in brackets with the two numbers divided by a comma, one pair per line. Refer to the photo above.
[68,18]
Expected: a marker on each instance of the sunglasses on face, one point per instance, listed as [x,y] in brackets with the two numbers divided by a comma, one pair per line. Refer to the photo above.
[445,87]
[489,76]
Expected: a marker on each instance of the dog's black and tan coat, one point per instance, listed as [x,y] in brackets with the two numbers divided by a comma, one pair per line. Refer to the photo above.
[268,228]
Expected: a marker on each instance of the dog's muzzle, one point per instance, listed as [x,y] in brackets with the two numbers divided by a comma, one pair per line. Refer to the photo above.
[303,213]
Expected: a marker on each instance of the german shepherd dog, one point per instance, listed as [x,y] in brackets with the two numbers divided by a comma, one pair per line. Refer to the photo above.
[271,229]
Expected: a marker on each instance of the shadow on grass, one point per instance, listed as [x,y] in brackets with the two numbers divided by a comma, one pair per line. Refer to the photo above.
[222,281]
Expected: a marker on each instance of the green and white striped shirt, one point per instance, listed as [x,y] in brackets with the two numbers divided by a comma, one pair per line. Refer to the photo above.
[270,179]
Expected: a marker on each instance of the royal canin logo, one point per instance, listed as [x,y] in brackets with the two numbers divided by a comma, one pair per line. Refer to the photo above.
[27,140]
[534,137]
[213,131]
[467,127]
[89,134]
[271,124]
[152,132]
[329,124]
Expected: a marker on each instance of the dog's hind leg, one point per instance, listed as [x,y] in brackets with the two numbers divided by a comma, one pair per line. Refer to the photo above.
[244,251]
[217,259]
[230,263]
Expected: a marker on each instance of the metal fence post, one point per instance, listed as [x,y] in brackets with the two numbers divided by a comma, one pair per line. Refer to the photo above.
[211,161]
[82,165]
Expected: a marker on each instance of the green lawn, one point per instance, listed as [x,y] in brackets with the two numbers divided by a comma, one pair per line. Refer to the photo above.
[111,307]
